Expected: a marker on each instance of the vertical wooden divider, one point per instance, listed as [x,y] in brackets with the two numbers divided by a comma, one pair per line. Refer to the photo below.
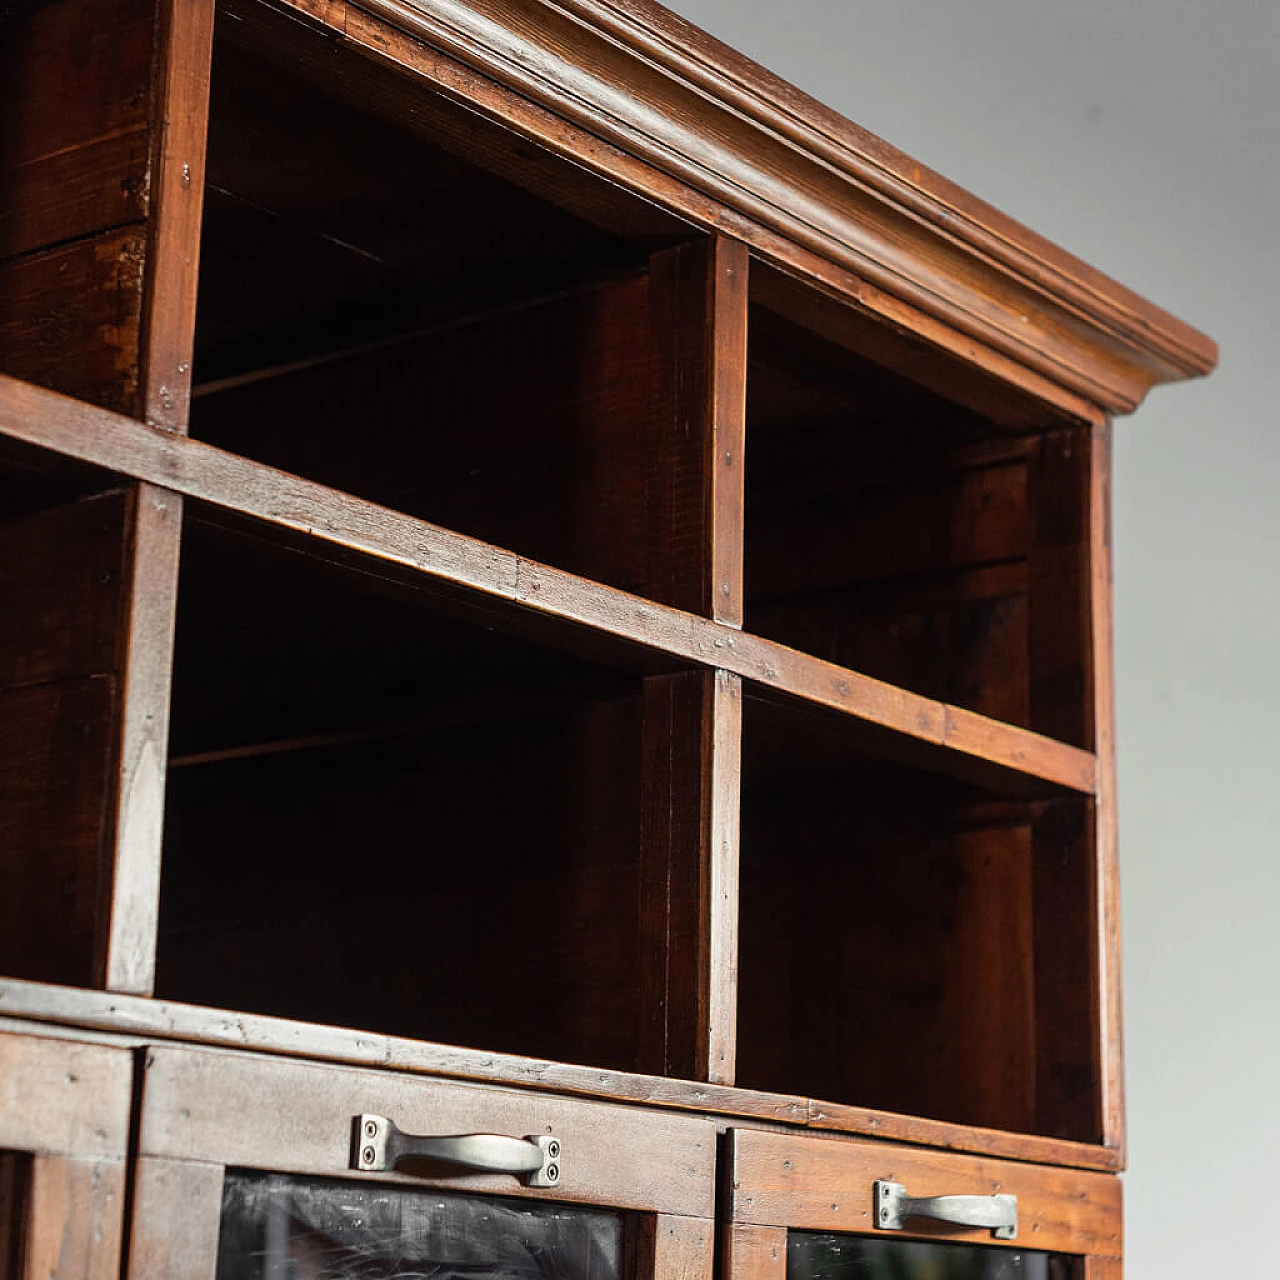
[1064,667]
[693,720]
[1106,852]
[130,916]
[754,1253]
[179,132]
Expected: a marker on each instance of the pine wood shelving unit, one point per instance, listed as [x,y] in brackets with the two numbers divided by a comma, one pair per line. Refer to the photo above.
[551,584]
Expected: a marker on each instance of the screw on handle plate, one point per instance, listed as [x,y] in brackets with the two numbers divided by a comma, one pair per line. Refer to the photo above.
[377,1144]
[893,1207]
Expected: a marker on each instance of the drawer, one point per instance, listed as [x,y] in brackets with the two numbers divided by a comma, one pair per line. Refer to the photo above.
[64,1132]
[802,1207]
[249,1166]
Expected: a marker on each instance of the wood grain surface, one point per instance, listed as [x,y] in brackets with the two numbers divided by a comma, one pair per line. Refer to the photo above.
[245,1110]
[820,1184]
[177,1208]
[805,187]
[236,484]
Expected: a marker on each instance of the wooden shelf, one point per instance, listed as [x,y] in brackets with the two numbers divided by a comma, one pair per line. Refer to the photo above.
[651,635]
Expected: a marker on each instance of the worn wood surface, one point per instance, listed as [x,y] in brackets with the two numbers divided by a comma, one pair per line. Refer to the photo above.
[689,875]
[698,305]
[668,1247]
[177,152]
[63,578]
[235,484]
[1069,1065]
[807,189]
[1103,1269]
[242,1109]
[938,976]
[1106,885]
[754,1252]
[809,1183]
[73,136]
[64,1099]
[69,317]
[130,915]
[1058,589]
[844,1118]
[143,1020]
[177,1207]
[75,1227]
[552,460]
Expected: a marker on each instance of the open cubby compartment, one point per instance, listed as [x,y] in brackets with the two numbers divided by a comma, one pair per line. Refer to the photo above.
[403,300]
[65,564]
[912,941]
[386,811]
[915,522]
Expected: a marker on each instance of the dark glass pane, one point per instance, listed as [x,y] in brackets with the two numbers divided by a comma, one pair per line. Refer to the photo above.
[821,1256]
[284,1228]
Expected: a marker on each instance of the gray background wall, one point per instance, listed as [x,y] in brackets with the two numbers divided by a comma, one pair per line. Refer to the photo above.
[1144,136]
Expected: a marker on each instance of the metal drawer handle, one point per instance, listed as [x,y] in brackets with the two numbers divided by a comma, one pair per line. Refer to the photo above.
[378,1144]
[894,1207]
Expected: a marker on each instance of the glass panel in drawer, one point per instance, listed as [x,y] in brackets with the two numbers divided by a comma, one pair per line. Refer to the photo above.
[288,1228]
[814,1255]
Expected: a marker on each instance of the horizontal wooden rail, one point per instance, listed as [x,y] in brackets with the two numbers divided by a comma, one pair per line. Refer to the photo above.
[142,1020]
[236,484]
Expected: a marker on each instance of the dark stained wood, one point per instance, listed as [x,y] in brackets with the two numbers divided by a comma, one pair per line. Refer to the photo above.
[63,577]
[54,800]
[69,317]
[231,483]
[329,225]
[1059,620]
[831,317]
[73,134]
[1069,1089]
[146,640]
[180,126]
[143,1020]
[548,459]
[689,875]
[826,1184]
[15,1181]
[1106,884]
[821,200]
[257,1112]
[965,971]
[174,1226]
[698,304]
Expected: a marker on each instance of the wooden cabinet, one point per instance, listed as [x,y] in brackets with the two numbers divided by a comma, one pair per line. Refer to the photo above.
[549,579]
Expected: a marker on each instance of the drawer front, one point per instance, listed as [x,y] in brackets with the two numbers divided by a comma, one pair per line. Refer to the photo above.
[64,1131]
[797,1199]
[243,1157]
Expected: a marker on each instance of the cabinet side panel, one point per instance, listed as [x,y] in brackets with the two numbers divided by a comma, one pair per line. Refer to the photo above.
[1106,857]
[62,578]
